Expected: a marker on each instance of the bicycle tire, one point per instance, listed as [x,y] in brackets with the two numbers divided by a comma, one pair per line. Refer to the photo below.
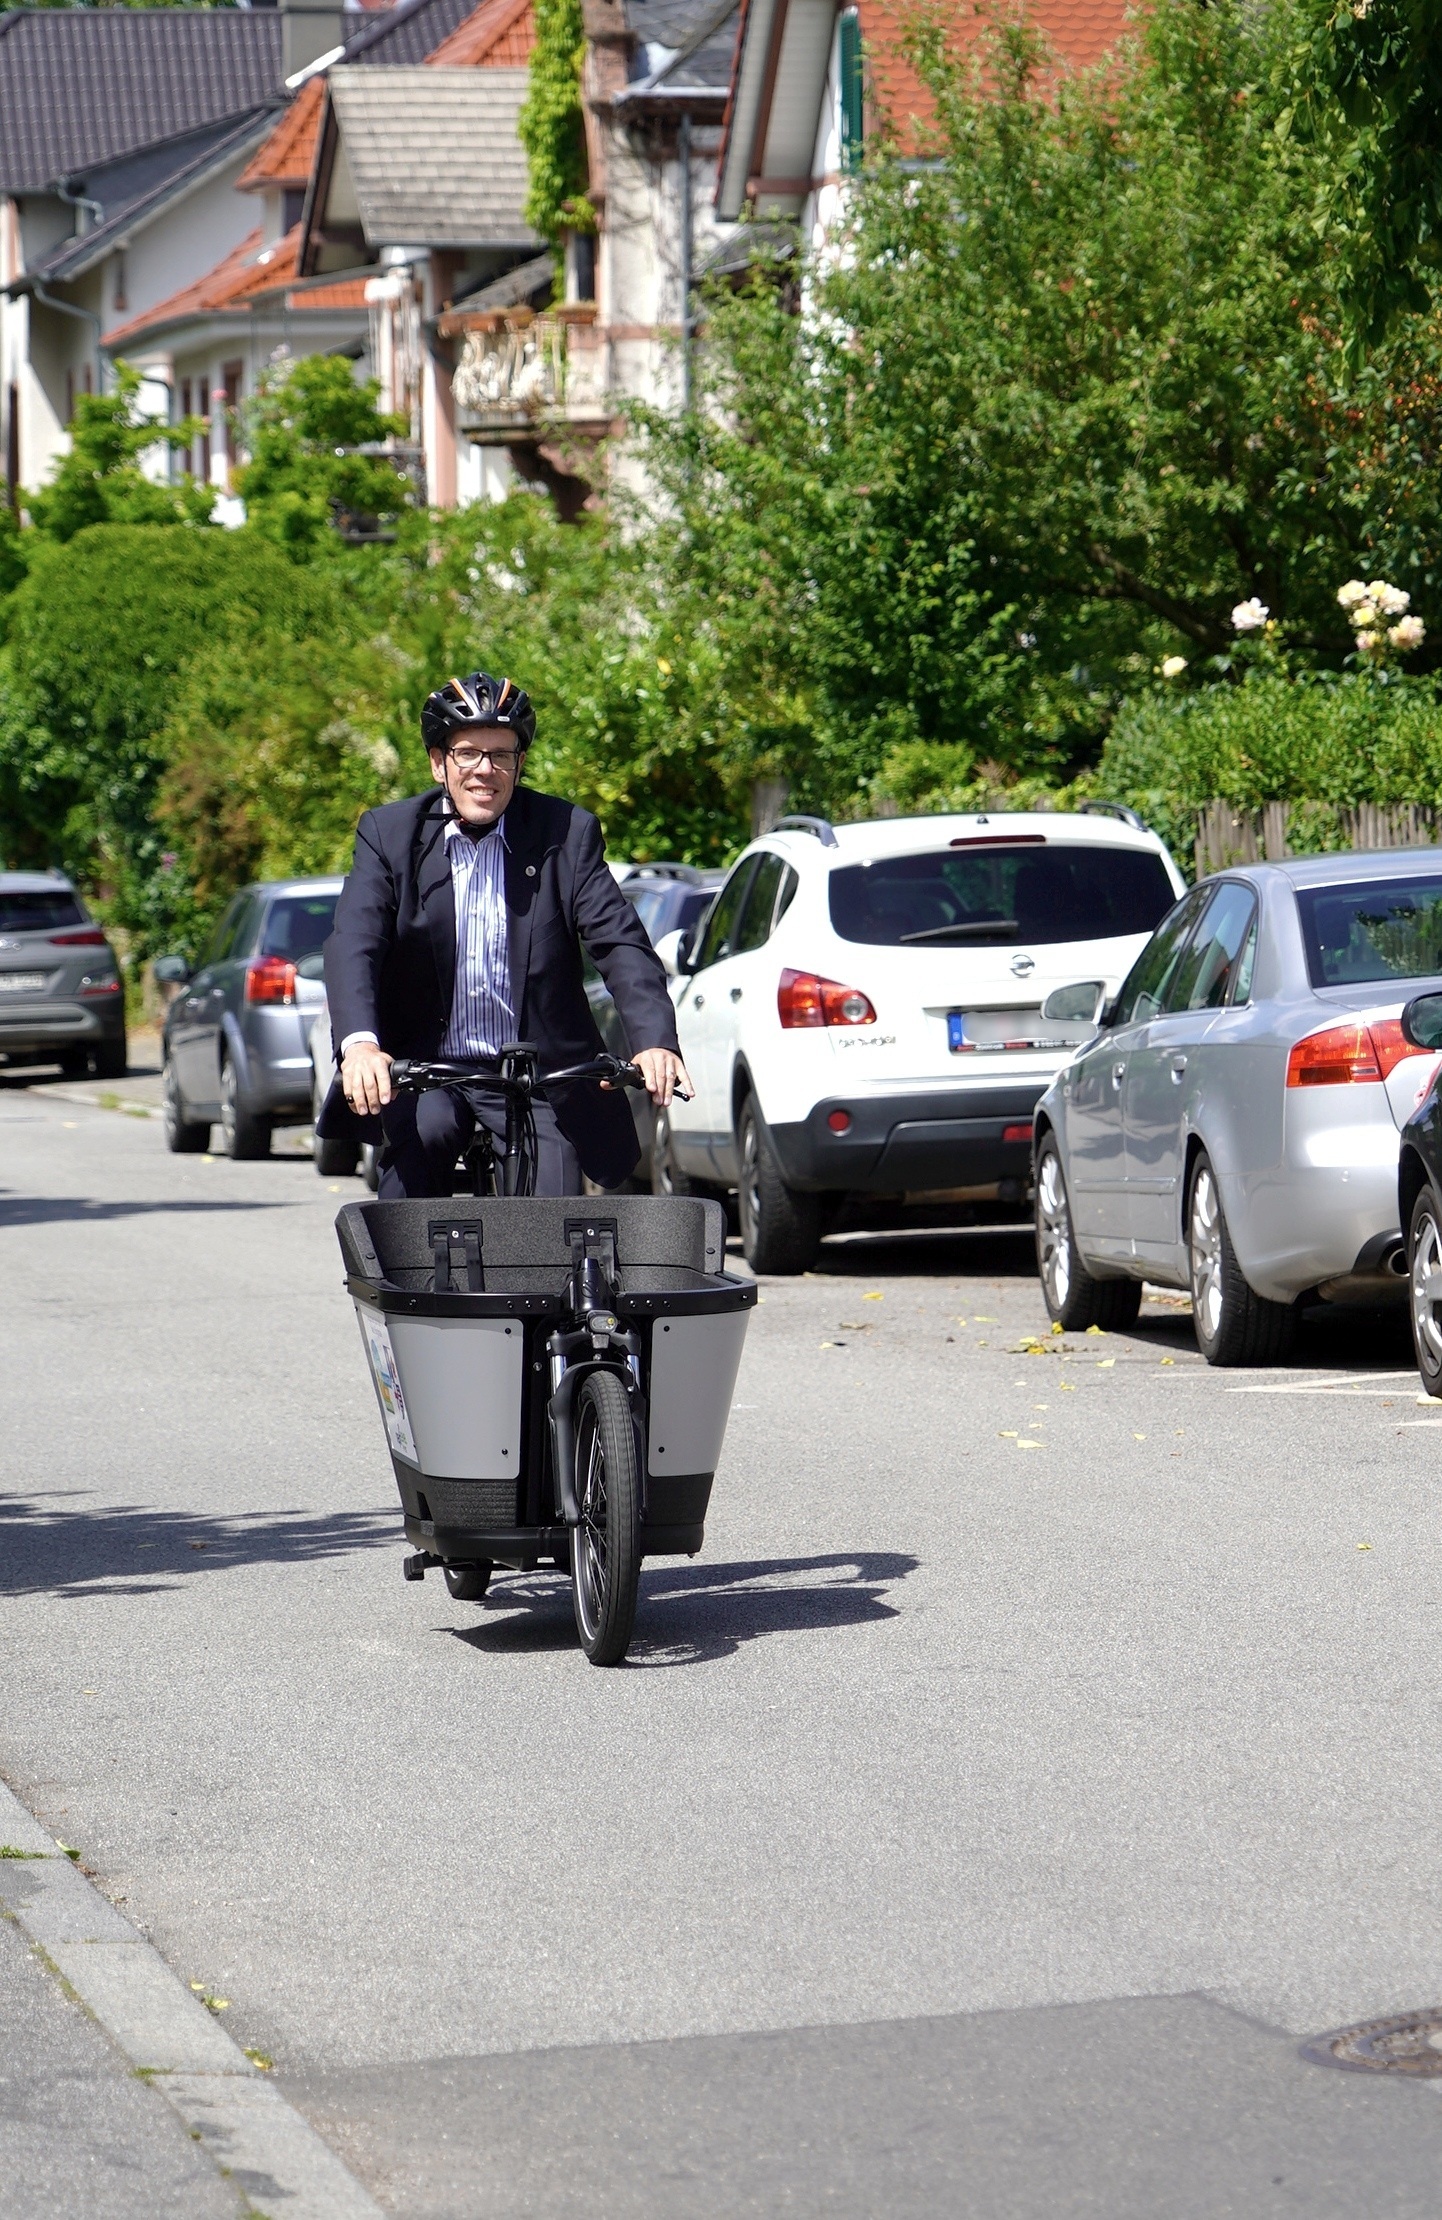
[606,1546]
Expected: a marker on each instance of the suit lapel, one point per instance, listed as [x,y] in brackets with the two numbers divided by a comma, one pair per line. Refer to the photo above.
[522,880]
[437,900]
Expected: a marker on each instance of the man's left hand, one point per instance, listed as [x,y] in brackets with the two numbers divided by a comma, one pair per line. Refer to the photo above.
[664,1073]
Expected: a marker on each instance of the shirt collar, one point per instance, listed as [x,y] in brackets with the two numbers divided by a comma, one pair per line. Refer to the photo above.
[454,830]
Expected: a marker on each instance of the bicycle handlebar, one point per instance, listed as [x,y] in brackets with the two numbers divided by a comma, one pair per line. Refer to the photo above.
[410,1076]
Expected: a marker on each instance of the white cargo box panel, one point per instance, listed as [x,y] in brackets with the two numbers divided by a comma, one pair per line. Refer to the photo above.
[694,1362]
[449,1391]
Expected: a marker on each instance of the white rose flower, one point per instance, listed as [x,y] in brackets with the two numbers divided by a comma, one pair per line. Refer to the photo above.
[1350,594]
[1392,601]
[1250,616]
[1173,666]
[1409,632]
[1366,641]
[1365,612]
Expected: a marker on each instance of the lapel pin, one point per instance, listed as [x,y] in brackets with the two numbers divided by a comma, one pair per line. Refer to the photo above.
[530,871]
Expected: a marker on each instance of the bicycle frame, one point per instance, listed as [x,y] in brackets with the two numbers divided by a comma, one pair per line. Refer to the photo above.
[514,1076]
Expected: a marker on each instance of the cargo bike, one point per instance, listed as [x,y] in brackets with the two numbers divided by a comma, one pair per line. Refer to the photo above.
[554,1376]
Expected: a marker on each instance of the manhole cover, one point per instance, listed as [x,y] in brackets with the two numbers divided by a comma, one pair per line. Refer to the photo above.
[1409,2044]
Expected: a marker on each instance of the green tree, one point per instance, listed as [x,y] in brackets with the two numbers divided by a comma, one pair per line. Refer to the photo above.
[99,481]
[551,125]
[308,429]
[1063,397]
[101,630]
[1363,80]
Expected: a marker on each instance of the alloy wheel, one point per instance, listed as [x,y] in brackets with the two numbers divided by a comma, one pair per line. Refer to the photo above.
[227,1105]
[1205,1247]
[1054,1230]
[1426,1264]
[748,1186]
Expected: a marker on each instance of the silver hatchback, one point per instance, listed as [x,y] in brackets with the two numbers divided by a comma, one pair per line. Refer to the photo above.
[1231,1124]
[62,999]
[236,1039]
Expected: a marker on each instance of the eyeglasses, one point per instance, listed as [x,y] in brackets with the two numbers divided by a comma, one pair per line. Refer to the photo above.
[470,759]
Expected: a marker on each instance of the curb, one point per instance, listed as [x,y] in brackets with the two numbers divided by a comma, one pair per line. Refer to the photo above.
[129,1105]
[260,2143]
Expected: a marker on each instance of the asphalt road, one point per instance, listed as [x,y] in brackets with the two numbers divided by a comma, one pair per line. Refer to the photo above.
[1042,1744]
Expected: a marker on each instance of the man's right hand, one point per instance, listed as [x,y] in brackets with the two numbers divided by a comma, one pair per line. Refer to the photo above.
[365,1076]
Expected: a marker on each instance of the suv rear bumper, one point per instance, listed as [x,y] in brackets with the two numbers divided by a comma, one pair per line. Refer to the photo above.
[915,1143]
[48,1028]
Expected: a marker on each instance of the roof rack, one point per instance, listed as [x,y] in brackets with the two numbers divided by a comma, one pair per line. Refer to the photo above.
[687,873]
[1113,809]
[817,825]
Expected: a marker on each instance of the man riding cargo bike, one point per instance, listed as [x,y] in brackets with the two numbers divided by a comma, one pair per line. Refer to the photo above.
[554,1376]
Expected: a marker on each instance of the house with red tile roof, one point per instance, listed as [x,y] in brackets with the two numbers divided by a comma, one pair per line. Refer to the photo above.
[815,80]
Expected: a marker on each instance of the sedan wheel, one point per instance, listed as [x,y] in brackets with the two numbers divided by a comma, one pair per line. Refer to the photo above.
[1234,1324]
[780,1228]
[246,1135]
[183,1137]
[1073,1298]
[1424,1273]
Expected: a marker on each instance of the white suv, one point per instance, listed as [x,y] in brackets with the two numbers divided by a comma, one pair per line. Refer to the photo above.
[860,1008]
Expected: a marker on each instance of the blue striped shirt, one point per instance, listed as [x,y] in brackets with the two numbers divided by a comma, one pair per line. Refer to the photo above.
[482,1020]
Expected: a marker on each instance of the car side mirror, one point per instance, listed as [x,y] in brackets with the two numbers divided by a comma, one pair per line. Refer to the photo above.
[1422,1021]
[170,971]
[1079,1004]
[674,950]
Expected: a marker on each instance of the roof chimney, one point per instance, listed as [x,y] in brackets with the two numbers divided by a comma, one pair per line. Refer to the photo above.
[310,28]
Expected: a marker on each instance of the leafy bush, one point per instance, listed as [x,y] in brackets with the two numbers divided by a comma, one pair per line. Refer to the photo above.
[99,481]
[1273,737]
[304,427]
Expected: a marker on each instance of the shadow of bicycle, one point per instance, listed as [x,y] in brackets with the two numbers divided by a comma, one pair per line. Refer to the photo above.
[694,1614]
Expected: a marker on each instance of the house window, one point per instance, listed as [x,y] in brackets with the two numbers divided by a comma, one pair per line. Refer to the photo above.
[88,377]
[69,396]
[232,374]
[292,202]
[120,300]
[852,108]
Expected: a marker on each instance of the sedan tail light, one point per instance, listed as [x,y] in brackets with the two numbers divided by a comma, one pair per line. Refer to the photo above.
[88,937]
[1348,1055]
[269,979]
[803,999]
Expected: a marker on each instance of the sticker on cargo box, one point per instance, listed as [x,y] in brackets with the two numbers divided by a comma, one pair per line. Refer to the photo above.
[388,1387]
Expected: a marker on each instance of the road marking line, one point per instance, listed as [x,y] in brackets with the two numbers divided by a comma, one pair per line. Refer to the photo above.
[259,2141]
[1347,1383]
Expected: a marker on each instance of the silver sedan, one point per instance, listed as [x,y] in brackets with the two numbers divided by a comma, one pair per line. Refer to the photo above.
[1231,1125]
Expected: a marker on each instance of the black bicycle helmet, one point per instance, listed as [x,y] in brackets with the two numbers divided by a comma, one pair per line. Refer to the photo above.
[474,703]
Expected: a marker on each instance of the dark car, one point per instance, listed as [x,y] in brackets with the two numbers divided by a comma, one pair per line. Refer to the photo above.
[669,898]
[237,1038]
[1419,1194]
[61,995]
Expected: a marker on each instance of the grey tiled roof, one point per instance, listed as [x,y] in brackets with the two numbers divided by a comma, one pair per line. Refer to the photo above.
[409,32]
[514,287]
[434,156]
[194,159]
[686,45]
[79,86]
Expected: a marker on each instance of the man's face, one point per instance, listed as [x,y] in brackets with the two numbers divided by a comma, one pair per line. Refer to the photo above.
[479,772]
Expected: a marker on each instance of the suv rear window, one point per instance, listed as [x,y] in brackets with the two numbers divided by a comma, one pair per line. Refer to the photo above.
[980,896]
[1372,929]
[39,913]
[298,925]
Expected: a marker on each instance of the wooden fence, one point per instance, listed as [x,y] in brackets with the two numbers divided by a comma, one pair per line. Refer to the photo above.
[1227,835]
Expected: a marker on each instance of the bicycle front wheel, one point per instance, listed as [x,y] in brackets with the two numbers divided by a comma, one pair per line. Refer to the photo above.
[606,1546]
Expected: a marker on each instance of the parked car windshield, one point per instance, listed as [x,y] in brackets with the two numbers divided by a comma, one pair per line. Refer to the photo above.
[669,908]
[1002,892]
[39,913]
[298,925]
[1372,929]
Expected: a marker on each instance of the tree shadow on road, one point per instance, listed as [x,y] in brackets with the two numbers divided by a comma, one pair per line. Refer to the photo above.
[64,1544]
[693,1614]
[949,1253]
[47,1210]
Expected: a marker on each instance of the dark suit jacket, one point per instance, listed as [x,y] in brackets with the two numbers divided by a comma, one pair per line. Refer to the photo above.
[390,963]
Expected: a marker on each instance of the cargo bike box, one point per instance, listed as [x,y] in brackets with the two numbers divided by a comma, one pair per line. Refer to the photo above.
[481,1319]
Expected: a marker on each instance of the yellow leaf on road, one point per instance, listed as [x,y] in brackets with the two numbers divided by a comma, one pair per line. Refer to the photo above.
[1104,1364]
[875,1296]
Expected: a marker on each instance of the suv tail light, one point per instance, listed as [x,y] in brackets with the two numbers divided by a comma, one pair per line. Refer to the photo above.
[269,979]
[88,937]
[803,999]
[1348,1055]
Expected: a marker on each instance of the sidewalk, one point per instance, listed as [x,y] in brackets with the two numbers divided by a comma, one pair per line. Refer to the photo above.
[80,2132]
[137,1095]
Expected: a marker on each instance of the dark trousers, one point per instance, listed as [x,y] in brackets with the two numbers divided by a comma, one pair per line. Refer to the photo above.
[425,1134]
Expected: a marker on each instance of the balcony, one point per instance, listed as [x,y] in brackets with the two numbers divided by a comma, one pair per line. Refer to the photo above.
[523,375]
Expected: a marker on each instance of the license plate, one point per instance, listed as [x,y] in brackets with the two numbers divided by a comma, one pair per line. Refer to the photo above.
[994,1032]
[22,982]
